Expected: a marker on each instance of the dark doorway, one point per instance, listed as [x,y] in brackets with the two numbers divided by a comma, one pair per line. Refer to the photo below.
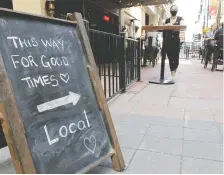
[146,19]
[6,4]
[99,18]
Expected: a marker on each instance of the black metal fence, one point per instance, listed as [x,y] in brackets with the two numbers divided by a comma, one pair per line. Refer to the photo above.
[132,60]
[117,60]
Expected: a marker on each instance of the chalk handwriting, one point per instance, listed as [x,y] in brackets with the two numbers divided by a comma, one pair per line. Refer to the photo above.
[90,143]
[41,81]
[17,42]
[54,44]
[3,22]
[30,61]
[64,77]
[54,61]
[71,128]
[33,42]
[71,98]
[24,61]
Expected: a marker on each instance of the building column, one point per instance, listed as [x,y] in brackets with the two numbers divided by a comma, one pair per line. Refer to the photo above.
[36,7]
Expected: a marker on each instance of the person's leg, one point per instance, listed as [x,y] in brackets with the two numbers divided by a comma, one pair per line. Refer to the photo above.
[172,64]
[171,61]
[209,52]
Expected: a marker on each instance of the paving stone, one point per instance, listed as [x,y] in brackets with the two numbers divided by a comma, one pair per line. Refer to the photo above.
[203,125]
[201,166]
[162,145]
[5,155]
[131,128]
[220,128]
[145,162]
[213,136]
[218,118]
[137,119]
[6,165]
[149,120]
[144,108]
[195,103]
[209,151]
[131,141]
[7,168]
[166,131]
[199,115]
[166,121]
[102,170]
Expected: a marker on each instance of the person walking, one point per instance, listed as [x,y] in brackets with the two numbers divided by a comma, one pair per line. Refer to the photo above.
[171,42]
[209,46]
[187,52]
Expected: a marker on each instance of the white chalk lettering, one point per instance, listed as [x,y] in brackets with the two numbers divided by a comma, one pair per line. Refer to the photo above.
[71,128]
[31,60]
[13,61]
[65,131]
[81,125]
[45,64]
[65,61]
[53,81]
[51,142]
[22,43]
[55,45]
[53,61]
[38,81]
[27,80]
[41,81]
[47,43]
[32,83]
[14,38]
[34,42]
[87,120]
[46,79]
[25,62]
[28,41]
[61,42]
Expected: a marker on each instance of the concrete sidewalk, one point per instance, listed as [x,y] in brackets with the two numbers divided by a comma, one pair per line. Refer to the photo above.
[174,128]
[167,129]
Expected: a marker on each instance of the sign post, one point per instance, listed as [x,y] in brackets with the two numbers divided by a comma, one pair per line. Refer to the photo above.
[54,107]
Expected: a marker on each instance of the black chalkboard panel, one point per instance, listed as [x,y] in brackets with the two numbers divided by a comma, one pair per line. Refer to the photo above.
[64,128]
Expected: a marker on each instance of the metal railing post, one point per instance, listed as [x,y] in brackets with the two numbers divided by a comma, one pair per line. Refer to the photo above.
[122,60]
[139,56]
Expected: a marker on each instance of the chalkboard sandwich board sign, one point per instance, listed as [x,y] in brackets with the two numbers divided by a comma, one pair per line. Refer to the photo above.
[56,118]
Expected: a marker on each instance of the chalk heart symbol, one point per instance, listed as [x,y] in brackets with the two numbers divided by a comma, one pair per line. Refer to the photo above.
[64,77]
[90,143]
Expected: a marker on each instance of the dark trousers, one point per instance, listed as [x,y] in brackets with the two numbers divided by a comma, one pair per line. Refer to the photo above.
[187,53]
[172,49]
[209,50]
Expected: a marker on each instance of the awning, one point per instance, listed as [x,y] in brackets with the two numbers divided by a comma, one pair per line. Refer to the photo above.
[131,3]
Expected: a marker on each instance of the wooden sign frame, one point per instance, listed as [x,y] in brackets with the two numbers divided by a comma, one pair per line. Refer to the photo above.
[12,122]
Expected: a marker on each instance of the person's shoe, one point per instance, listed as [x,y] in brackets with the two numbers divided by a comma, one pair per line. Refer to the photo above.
[169,80]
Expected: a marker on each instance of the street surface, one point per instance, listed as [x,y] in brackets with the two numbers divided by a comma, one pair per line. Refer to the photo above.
[167,128]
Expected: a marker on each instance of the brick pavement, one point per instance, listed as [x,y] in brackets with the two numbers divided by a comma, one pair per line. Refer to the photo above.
[167,129]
